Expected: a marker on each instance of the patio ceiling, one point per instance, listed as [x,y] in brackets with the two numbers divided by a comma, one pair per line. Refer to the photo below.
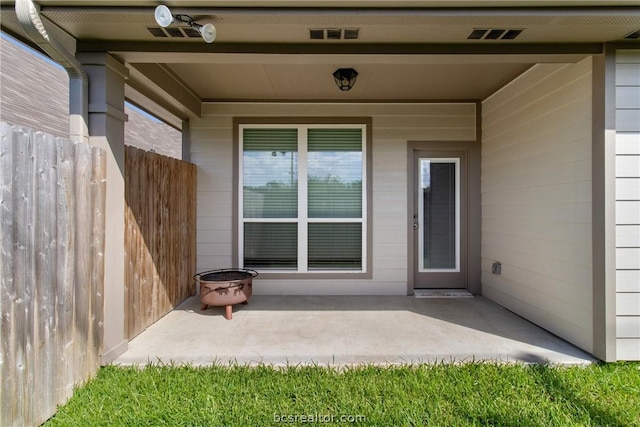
[416,50]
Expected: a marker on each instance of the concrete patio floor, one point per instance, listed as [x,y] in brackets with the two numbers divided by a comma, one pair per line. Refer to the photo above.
[339,330]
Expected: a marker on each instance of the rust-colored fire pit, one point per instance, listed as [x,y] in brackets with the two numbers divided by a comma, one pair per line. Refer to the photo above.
[225,287]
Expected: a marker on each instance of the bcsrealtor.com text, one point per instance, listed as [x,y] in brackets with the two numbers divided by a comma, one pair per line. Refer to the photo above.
[318,418]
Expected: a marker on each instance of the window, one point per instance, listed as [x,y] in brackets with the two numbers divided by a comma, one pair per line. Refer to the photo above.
[302,201]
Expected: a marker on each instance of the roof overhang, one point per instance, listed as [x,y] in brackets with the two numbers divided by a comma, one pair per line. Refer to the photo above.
[406,50]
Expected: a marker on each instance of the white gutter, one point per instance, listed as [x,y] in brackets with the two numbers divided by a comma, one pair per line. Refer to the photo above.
[28,15]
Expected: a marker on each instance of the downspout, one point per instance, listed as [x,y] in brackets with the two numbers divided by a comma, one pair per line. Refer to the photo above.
[28,15]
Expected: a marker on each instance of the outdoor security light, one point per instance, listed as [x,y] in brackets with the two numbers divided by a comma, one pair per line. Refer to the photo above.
[164,18]
[345,78]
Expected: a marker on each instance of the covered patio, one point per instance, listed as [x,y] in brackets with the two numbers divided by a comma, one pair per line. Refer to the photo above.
[530,106]
[346,330]
[515,122]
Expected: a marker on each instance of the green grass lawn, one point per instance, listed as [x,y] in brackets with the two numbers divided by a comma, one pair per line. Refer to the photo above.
[435,395]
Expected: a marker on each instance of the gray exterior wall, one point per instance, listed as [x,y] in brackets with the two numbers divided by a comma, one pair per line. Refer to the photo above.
[142,132]
[628,204]
[393,125]
[536,198]
[35,93]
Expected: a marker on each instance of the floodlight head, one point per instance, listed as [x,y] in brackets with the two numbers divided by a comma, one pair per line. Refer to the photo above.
[207,31]
[163,16]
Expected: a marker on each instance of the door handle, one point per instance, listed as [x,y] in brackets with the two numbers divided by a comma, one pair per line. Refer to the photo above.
[416,225]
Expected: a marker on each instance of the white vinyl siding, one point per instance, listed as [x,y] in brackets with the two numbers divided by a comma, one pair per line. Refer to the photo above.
[536,198]
[393,126]
[628,204]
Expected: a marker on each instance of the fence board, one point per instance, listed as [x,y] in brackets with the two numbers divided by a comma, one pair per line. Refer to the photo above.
[160,235]
[84,226]
[149,296]
[133,258]
[99,197]
[45,274]
[7,289]
[65,210]
[23,275]
[51,295]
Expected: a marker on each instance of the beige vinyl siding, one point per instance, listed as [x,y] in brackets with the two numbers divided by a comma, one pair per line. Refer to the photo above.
[628,204]
[393,126]
[536,198]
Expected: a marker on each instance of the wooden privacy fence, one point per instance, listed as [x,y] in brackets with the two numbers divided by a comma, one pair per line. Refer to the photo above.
[160,224]
[52,200]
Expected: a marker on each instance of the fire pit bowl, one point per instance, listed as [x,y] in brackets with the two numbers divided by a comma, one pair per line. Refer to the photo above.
[225,287]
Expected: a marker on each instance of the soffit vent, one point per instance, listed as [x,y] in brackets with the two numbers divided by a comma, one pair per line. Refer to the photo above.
[633,36]
[511,34]
[175,32]
[334,34]
[191,32]
[494,34]
[316,34]
[157,32]
[351,33]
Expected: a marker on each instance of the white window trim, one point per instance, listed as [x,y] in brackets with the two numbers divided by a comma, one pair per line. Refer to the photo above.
[421,268]
[301,220]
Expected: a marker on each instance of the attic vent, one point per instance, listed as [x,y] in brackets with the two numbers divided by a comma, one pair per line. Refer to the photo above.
[191,32]
[174,32]
[334,34]
[316,34]
[180,32]
[494,34]
[351,34]
[511,34]
[157,32]
[633,36]
[477,34]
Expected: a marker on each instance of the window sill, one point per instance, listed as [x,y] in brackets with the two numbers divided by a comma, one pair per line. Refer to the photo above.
[356,275]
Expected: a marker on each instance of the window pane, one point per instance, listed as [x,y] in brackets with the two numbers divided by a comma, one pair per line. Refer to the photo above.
[270,173]
[335,246]
[335,173]
[439,210]
[269,245]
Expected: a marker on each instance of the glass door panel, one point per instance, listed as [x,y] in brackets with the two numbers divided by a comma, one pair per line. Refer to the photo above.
[439,215]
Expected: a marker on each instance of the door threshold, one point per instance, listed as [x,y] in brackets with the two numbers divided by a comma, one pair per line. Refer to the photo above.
[442,293]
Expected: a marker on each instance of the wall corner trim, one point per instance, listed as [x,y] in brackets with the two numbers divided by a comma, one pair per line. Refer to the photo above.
[603,206]
[115,352]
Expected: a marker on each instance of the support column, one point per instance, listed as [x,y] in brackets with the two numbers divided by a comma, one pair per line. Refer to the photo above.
[106,130]
[186,140]
[604,214]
